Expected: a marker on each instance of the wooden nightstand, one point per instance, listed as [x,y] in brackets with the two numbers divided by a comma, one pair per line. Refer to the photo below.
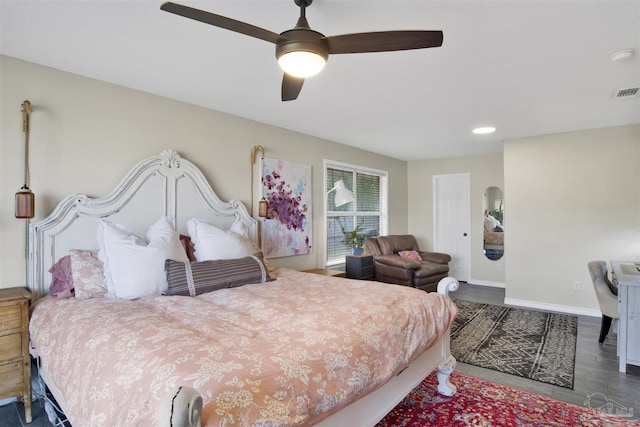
[15,362]
[359,267]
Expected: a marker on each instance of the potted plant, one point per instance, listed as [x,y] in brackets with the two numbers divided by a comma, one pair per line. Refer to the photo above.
[353,238]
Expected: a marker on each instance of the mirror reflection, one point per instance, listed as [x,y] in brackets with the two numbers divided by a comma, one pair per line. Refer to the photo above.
[493,223]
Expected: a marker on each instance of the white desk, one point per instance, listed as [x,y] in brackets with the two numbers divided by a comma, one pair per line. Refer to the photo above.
[628,278]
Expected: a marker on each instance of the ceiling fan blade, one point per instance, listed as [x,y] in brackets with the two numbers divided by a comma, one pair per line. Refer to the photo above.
[220,21]
[384,41]
[291,87]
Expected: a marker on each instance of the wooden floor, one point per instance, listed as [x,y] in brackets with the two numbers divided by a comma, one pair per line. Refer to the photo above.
[596,371]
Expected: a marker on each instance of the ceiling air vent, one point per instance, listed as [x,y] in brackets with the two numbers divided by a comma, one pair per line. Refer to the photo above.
[630,92]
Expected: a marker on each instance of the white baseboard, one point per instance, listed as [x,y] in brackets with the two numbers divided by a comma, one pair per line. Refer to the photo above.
[486,283]
[568,309]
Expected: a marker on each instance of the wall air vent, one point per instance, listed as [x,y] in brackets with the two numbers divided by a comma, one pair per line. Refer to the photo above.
[630,92]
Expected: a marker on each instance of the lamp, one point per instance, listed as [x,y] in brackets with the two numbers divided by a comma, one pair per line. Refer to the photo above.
[263,208]
[25,199]
[301,63]
[25,203]
[302,52]
[343,194]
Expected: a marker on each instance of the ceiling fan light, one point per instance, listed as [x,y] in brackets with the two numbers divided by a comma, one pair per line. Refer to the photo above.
[301,63]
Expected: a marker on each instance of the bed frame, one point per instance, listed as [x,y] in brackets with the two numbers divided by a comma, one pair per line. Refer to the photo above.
[168,185]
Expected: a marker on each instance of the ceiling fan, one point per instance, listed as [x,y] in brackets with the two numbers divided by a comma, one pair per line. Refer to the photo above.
[302,52]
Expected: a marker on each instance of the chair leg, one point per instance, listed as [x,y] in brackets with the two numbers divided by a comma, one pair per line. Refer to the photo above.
[604,329]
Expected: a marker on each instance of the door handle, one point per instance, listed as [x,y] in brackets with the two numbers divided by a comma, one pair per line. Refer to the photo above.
[464,234]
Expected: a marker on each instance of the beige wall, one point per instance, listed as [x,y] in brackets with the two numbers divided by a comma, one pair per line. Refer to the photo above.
[571,198]
[485,171]
[86,134]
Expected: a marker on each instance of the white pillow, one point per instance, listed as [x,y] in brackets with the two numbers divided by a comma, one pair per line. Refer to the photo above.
[134,268]
[240,229]
[109,228]
[490,223]
[212,242]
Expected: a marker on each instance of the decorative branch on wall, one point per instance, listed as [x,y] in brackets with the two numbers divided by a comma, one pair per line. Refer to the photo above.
[287,186]
[25,199]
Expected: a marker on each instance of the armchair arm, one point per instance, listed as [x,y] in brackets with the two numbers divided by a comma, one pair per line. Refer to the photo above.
[437,257]
[398,262]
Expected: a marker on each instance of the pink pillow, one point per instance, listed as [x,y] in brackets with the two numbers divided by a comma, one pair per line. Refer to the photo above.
[87,273]
[411,255]
[62,283]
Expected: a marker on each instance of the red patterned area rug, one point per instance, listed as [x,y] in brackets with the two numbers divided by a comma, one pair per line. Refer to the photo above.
[482,403]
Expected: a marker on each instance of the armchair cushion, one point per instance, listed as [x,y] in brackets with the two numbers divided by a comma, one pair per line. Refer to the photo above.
[398,262]
[429,269]
[437,257]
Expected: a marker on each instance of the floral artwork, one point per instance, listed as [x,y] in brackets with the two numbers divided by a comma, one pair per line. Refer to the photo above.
[287,188]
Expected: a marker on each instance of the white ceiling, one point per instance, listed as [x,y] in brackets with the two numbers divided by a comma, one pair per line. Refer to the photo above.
[526,67]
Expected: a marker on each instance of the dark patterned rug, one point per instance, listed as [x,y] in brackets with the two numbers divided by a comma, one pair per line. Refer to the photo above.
[531,344]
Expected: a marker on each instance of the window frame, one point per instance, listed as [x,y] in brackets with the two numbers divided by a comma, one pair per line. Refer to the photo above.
[383,213]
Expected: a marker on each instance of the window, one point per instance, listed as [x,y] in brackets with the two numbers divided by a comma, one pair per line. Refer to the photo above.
[369,210]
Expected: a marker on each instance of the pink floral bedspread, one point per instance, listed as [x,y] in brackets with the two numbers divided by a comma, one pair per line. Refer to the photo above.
[288,352]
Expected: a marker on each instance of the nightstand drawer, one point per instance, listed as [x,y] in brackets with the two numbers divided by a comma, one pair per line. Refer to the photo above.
[10,317]
[10,347]
[11,380]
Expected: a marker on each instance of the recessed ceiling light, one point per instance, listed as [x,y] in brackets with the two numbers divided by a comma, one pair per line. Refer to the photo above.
[484,130]
[622,55]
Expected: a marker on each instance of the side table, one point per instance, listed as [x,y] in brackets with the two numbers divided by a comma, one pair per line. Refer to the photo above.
[359,267]
[15,361]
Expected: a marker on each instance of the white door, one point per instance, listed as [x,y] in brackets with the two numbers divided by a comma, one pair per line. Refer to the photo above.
[451,221]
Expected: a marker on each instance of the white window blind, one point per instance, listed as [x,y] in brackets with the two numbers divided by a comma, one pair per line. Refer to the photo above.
[369,210]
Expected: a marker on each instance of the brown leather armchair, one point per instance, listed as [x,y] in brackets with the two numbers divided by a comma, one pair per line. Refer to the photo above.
[390,267]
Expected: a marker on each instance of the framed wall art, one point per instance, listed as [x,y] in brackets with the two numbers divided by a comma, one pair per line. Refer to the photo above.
[287,188]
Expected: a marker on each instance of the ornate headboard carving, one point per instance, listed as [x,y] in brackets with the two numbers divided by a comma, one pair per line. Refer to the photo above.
[162,185]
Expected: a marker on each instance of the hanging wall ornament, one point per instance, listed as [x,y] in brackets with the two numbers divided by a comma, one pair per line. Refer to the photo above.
[25,199]
[263,205]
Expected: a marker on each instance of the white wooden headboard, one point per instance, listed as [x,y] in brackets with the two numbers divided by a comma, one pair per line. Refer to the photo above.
[162,185]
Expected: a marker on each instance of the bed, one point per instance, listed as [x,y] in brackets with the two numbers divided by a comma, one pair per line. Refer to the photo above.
[278,347]
[494,240]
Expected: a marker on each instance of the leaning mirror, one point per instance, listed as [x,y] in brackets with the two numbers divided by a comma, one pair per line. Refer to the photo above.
[493,224]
